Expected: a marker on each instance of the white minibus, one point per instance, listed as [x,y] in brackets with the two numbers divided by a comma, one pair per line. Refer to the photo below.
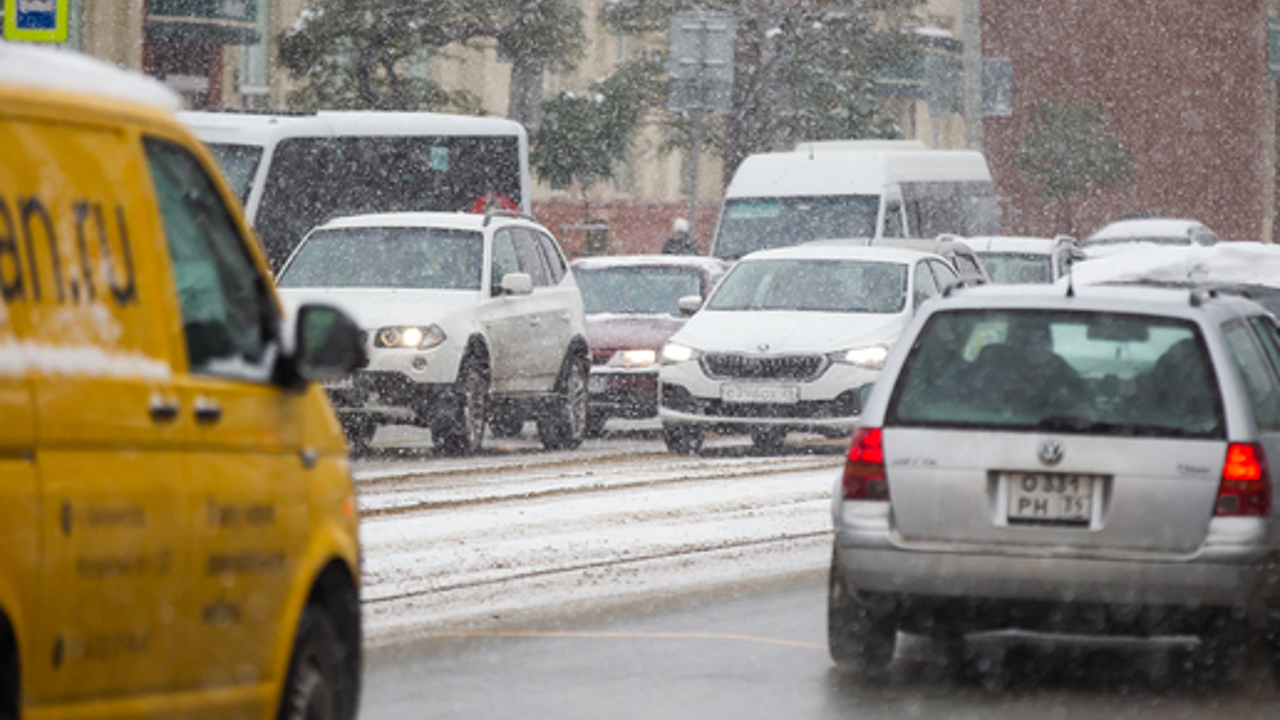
[294,172]
[855,189]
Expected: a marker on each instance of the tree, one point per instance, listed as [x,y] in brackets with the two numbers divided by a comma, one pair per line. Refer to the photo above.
[371,54]
[1069,152]
[583,139]
[803,70]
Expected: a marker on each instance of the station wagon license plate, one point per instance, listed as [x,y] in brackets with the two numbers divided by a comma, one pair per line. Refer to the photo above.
[1050,498]
[744,393]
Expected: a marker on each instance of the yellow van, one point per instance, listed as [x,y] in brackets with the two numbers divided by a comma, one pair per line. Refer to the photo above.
[178,534]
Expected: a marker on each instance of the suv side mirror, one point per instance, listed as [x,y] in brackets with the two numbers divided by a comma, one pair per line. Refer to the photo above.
[516,284]
[689,304]
[327,343]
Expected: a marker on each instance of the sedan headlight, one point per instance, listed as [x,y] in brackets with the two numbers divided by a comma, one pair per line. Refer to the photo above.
[411,337]
[676,353]
[870,356]
[633,358]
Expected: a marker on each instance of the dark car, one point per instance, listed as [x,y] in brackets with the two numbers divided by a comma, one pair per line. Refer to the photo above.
[632,306]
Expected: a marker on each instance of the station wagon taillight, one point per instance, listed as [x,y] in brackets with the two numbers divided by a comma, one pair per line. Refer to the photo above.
[1246,483]
[864,477]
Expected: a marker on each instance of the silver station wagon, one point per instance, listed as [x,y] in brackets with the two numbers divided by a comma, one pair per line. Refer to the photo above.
[1080,463]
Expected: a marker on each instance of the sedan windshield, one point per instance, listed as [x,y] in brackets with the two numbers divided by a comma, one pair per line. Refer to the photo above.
[637,290]
[848,286]
[412,257]
[1018,267]
[1097,373]
[752,224]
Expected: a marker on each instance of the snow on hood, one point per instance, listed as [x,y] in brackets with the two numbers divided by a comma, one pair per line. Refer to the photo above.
[1245,263]
[789,332]
[20,357]
[611,331]
[54,69]
[374,308]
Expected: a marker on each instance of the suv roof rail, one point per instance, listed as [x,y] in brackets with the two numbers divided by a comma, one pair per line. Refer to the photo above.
[490,214]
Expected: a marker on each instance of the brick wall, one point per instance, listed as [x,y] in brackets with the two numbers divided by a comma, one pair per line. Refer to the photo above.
[1184,83]
[634,227]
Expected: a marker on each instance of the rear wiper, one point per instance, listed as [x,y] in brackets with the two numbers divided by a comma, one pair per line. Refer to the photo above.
[1075,423]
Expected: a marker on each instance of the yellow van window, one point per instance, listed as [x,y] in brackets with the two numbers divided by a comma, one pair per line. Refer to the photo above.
[226,313]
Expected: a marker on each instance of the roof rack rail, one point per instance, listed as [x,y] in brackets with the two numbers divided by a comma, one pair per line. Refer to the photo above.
[1210,291]
[490,214]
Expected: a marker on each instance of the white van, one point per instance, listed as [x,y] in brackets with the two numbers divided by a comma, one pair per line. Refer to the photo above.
[294,172]
[855,189]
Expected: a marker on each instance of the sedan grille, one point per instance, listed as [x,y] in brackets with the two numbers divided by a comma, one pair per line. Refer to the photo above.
[792,367]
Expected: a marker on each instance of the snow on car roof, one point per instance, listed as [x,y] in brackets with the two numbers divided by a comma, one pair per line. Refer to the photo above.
[1009,243]
[824,250]
[611,261]
[1170,300]
[1235,263]
[45,68]
[1160,227]
[411,219]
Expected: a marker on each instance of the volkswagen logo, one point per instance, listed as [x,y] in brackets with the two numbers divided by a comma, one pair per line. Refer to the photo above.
[1050,452]
[763,347]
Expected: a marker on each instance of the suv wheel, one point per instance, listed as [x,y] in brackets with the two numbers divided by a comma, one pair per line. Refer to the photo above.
[565,424]
[463,433]
[682,439]
[860,636]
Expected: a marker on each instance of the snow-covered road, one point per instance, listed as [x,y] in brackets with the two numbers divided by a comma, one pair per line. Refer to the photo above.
[458,545]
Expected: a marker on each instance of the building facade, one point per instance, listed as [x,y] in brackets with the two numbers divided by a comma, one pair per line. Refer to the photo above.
[1184,82]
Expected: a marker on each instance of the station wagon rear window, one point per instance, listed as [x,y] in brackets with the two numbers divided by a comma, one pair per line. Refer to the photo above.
[1094,373]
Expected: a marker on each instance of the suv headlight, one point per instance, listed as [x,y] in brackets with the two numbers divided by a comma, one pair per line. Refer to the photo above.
[633,358]
[676,353]
[870,356]
[410,337]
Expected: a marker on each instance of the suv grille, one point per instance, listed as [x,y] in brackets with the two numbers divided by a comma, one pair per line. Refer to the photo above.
[794,367]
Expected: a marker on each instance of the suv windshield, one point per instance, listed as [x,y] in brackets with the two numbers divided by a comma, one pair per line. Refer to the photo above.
[1018,267]
[814,285]
[752,224]
[422,258]
[1096,372]
[636,290]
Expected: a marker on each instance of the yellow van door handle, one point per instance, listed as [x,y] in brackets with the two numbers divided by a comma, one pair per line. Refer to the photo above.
[207,410]
[163,409]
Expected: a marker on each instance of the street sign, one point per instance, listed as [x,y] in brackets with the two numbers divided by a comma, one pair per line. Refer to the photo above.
[700,61]
[36,20]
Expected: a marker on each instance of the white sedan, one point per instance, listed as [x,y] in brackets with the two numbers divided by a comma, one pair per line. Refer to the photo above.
[790,340]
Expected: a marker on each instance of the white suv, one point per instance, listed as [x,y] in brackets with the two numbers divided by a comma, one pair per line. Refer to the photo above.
[467,318]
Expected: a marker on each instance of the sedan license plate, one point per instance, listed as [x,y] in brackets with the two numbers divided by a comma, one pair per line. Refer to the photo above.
[744,393]
[1050,498]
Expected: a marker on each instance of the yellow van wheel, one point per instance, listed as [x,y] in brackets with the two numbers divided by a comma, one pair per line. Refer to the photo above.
[314,688]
